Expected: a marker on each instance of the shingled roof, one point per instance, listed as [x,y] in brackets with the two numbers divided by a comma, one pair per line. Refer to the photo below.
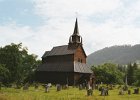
[65,67]
[59,50]
[82,68]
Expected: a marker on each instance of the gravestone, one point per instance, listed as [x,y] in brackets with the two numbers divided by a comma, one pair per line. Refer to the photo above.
[121,92]
[1,78]
[125,88]
[89,90]
[83,85]
[58,87]
[47,88]
[65,87]
[111,87]
[136,91]
[129,92]
[0,85]
[100,88]
[26,86]
[36,86]
[80,87]
[49,84]
[97,86]
[18,85]
[102,91]
[106,91]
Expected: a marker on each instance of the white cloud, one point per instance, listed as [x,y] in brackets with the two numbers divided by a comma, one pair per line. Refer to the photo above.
[118,26]
[63,8]
[37,41]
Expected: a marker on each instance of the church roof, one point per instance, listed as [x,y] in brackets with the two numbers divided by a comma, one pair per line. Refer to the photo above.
[65,67]
[82,68]
[59,50]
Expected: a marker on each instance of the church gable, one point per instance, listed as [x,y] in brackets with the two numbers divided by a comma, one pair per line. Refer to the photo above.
[79,55]
[59,50]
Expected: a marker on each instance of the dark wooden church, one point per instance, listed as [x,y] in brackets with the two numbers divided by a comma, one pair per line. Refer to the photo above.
[66,64]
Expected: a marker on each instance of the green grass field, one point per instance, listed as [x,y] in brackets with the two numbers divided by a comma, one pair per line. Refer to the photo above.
[69,94]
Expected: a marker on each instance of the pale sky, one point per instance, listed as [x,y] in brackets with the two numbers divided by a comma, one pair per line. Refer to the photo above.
[42,24]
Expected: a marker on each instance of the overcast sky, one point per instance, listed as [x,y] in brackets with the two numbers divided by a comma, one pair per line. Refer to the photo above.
[43,24]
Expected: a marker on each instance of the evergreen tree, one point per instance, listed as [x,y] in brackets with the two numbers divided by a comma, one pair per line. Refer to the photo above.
[130,74]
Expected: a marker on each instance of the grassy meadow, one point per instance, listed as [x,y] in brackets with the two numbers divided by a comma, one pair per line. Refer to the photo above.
[68,94]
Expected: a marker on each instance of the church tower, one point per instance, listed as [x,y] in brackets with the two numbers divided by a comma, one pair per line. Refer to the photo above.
[75,39]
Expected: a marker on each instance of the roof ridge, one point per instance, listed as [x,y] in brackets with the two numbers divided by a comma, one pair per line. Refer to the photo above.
[60,46]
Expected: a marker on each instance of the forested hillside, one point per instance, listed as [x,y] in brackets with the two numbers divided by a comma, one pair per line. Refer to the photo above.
[116,54]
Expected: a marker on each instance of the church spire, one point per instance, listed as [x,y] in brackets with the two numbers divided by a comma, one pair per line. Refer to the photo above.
[75,39]
[76,30]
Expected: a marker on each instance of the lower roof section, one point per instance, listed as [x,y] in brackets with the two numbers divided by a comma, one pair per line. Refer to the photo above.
[82,68]
[65,67]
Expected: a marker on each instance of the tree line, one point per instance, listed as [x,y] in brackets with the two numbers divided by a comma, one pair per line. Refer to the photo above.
[16,65]
[109,73]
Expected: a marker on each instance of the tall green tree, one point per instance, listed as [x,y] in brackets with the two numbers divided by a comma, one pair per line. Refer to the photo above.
[108,73]
[130,74]
[137,75]
[10,56]
[18,62]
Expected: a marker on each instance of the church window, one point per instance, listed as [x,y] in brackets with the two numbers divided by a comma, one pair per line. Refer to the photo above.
[79,60]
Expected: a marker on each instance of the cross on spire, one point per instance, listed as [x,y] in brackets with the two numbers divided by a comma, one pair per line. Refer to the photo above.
[76,30]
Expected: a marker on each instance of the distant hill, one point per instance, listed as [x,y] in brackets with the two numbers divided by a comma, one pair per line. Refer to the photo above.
[115,54]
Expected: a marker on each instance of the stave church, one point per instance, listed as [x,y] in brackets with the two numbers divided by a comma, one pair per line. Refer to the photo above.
[66,64]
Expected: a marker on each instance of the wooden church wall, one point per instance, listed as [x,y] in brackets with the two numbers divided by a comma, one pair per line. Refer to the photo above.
[55,77]
[61,58]
[79,55]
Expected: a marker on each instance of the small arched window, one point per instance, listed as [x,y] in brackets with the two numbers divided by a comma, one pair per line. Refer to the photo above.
[79,60]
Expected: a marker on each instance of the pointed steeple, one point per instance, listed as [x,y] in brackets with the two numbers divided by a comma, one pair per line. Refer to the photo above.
[75,39]
[76,30]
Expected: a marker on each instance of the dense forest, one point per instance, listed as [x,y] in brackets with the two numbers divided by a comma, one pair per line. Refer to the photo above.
[116,54]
